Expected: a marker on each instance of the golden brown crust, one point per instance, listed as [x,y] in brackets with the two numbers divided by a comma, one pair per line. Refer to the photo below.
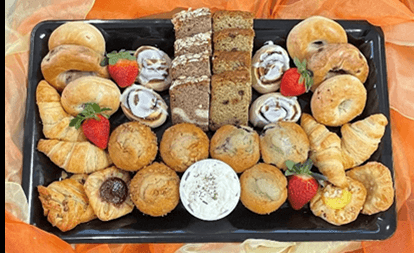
[378,181]
[155,190]
[91,89]
[263,188]
[348,213]
[338,100]
[132,146]
[182,145]
[283,141]
[236,146]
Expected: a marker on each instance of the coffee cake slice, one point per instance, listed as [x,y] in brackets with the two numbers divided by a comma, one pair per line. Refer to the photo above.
[190,22]
[195,44]
[191,65]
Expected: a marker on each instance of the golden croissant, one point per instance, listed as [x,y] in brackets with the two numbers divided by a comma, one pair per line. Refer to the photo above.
[360,139]
[75,157]
[325,150]
[54,118]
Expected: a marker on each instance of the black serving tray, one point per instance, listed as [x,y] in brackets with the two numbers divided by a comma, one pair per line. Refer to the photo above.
[285,224]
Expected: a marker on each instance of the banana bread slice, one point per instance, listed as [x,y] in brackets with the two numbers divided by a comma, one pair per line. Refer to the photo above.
[234,40]
[232,19]
[223,61]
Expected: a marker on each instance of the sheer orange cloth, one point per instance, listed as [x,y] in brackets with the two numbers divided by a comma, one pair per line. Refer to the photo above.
[395,17]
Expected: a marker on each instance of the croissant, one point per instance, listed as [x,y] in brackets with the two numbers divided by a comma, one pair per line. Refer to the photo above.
[75,157]
[325,150]
[360,139]
[54,118]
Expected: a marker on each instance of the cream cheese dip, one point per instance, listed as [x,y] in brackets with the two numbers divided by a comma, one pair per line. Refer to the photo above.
[210,189]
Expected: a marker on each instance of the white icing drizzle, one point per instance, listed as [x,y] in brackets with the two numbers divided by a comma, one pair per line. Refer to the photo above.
[274,60]
[195,40]
[154,65]
[186,14]
[190,79]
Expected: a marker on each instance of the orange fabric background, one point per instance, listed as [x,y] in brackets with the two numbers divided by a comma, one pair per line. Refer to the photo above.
[397,21]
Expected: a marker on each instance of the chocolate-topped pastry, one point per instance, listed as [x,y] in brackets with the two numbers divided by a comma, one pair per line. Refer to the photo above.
[108,193]
[144,105]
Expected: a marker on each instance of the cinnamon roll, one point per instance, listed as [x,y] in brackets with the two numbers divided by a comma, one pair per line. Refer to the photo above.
[273,107]
[144,105]
[154,68]
[269,64]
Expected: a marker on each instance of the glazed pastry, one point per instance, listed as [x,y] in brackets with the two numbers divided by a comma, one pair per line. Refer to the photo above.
[182,145]
[144,105]
[236,146]
[268,65]
[108,193]
[337,59]
[155,190]
[263,188]
[154,68]
[339,206]
[78,33]
[66,63]
[338,100]
[325,150]
[55,121]
[283,141]
[132,146]
[210,190]
[75,157]
[312,34]
[65,204]
[361,139]
[91,89]
[274,107]
[378,181]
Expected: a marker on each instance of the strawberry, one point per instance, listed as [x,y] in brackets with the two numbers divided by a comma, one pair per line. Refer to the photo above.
[296,81]
[123,68]
[302,187]
[95,125]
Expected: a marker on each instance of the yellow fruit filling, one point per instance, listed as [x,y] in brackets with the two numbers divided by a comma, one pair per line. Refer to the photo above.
[338,200]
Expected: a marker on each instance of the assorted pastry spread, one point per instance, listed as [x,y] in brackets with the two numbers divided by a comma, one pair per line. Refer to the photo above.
[209,83]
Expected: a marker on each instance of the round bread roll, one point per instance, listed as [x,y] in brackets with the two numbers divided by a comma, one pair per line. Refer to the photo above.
[78,33]
[312,34]
[238,146]
[336,59]
[263,188]
[182,145]
[338,100]
[91,89]
[283,141]
[132,146]
[155,190]
[66,63]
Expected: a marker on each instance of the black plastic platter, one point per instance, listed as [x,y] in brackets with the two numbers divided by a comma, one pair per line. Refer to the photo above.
[285,224]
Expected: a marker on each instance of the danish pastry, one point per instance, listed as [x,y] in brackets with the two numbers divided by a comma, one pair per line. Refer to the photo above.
[238,146]
[312,34]
[339,206]
[263,188]
[155,190]
[378,181]
[108,193]
[338,100]
[91,89]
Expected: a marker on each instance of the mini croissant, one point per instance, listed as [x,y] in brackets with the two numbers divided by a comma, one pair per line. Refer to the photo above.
[325,150]
[360,139]
[75,157]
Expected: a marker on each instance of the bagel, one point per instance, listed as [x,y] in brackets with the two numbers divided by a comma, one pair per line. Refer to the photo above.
[312,34]
[91,89]
[336,59]
[338,100]
[66,63]
[78,33]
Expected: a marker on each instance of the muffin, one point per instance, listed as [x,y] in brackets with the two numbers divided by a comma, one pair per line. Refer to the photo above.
[155,190]
[238,146]
[132,146]
[182,145]
[263,188]
[283,141]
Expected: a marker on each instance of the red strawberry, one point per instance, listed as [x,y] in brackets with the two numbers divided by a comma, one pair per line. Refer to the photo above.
[123,68]
[302,187]
[296,81]
[95,125]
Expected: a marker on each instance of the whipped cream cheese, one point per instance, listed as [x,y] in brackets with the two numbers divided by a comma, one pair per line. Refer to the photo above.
[210,189]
